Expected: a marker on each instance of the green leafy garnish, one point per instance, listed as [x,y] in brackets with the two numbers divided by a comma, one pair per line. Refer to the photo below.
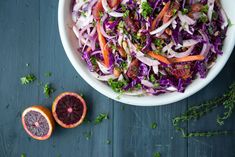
[196,112]
[174,11]
[126,14]
[48,89]
[146,9]
[152,78]
[27,79]
[101,117]
[154,125]
[203,18]
[117,85]
[204,9]
[157,154]
[185,11]
[23,155]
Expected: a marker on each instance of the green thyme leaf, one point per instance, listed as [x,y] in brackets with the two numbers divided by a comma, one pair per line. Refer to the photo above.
[185,11]
[27,79]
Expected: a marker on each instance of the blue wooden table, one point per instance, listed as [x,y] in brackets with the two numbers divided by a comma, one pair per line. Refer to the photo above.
[29,36]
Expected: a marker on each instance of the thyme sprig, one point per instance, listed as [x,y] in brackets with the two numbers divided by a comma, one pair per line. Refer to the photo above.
[196,112]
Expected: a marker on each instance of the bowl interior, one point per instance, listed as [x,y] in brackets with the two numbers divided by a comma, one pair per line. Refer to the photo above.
[69,42]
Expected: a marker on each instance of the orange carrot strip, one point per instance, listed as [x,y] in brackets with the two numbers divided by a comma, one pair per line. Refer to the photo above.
[103,45]
[159,57]
[160,15]
[188,59]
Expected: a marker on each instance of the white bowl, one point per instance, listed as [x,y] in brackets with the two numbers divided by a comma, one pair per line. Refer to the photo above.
[68,40]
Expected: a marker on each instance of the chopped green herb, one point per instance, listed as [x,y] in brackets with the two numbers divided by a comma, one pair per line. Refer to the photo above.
[152,78]
[174,11]
[154,125]
[48,74]
[215,15]
[146,9]
[23,155]
[88,135]
[117,85]
[101,14]
[48,89]
[203,18]
[101,117]
[156,85]
[158,42]
[108,141]
[27,79]
[126,14]
[138,86]
[157,154]
[114,47]
[83,13]
[185,11]
[204,9]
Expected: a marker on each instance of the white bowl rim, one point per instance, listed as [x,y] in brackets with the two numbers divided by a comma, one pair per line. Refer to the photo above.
[143,100]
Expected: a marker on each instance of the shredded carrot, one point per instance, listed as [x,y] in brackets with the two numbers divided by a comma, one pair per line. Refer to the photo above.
[159,57]
[188,59]
[160,15]
[103,45]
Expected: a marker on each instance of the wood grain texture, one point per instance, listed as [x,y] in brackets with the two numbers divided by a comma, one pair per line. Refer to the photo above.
[29,34]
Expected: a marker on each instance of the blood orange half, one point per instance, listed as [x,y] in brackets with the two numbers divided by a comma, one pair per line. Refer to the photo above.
[69,110]
[38,122]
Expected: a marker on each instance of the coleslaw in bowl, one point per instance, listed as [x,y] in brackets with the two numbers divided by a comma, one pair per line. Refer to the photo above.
[164,62]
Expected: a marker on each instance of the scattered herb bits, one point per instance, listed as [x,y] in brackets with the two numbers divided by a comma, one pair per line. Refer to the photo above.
[27,79]
[157,154]
[101,117]
[48,89]
[154,125]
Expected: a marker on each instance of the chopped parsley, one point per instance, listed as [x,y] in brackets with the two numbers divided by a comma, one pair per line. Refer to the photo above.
[210,30]
[203,18]
[204,9]
[146,9]
[152,78]
[154,125]
[157,154]
[174,11]
[48,89]
[27,79]
[185,11]
[101,117]
[83,13]
[158,42]
[126,14]
[117,85]
[23,155]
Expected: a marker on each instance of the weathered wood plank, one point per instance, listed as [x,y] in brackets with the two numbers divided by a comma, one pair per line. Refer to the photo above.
[19,44]
[134,137]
